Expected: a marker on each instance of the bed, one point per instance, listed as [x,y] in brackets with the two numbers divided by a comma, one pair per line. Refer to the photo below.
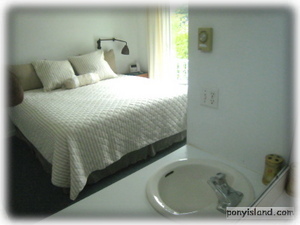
[91,131]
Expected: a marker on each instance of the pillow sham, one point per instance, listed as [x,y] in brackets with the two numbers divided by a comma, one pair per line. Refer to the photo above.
[93,63]
[26,76]
[81,80]
[109,57]
[53,73]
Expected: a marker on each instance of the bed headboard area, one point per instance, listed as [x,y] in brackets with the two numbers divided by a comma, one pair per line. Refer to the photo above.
[31,76]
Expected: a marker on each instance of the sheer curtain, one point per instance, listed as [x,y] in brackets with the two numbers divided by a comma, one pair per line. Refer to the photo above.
[159,44]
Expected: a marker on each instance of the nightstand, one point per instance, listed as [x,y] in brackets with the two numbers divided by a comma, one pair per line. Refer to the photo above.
[138,74]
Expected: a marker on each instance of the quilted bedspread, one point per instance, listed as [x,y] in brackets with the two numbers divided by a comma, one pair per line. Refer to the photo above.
[88,128]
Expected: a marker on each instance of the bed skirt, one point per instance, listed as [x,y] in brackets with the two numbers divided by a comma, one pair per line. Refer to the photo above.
[125,161]
[135,156]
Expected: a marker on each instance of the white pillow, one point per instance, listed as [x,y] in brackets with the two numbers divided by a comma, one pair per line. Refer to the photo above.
[81,80]
[93,63]
[53,73]
[109,57]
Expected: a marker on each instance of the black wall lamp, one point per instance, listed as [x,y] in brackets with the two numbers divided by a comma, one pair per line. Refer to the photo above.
[125,50]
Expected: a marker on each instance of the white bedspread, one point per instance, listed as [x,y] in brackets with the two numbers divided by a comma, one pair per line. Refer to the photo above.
[88,128]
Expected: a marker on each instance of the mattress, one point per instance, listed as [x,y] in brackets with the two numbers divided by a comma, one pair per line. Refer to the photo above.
[82,130]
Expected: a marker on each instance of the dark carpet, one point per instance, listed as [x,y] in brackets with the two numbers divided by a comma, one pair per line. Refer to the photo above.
[30,193]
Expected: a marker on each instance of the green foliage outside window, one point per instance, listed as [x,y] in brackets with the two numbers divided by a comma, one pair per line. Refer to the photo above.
[179,21]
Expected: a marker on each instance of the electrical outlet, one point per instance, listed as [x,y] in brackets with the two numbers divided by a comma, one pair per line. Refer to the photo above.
[210,97]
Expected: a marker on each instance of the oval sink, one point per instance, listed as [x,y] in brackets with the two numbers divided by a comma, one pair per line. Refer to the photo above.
[181,188]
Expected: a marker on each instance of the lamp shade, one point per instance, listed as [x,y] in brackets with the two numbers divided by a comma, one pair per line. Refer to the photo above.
[125,50]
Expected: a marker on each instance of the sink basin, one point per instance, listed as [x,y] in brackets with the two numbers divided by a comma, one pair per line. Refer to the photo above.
[181,188]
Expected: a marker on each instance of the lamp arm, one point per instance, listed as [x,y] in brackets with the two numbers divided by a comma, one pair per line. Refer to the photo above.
[119,40]
[111,39]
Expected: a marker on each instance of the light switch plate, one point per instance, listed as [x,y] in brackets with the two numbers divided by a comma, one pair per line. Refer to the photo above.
[205,35]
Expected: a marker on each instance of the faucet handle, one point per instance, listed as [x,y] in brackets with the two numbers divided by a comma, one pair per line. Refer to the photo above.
[227,196]
[220,175]
[218,179]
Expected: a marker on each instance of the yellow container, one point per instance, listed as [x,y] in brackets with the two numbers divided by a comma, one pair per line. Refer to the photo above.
[273,164]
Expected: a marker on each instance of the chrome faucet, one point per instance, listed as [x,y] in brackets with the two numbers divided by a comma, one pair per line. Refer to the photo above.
[227,196]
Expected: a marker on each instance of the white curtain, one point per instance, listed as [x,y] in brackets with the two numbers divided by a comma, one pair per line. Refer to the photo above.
[159,44]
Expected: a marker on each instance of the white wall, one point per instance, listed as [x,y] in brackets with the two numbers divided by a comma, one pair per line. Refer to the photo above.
[250,66]
[56,33]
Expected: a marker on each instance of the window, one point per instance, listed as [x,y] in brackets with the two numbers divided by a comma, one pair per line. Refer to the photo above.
[168,43]
[179,34]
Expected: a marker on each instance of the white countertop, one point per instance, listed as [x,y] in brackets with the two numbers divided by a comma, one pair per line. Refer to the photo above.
[127,197]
